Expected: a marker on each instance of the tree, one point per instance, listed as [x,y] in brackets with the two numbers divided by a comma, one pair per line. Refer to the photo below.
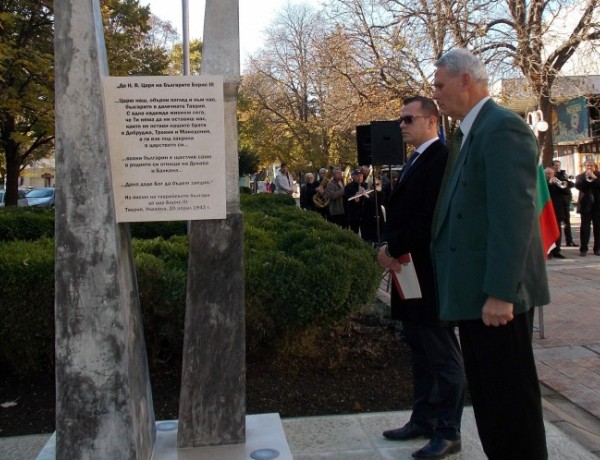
[176,58]
[535,37]
[524,32]
[27,73]
[248,162]
[26,86]
[131,47]
[295,107]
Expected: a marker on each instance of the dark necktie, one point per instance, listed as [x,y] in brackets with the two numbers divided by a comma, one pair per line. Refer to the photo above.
[456,142]
[457,137]
[409,163]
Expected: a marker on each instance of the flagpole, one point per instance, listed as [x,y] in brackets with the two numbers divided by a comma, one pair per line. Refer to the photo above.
[186,36]
[536,122]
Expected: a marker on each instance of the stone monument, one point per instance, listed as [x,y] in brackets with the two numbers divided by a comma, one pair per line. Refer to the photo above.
[213,386]
[104,402]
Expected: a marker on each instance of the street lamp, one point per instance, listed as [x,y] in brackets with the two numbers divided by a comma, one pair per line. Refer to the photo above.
[536,122]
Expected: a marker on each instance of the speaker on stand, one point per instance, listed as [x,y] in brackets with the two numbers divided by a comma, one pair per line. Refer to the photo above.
[387,147]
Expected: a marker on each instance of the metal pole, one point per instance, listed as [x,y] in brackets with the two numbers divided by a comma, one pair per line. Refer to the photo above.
[186,36]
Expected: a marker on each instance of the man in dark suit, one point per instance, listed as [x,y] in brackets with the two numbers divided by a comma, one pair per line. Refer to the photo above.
[355,207]
[438,375]
[558,191]
[588,207]
[488,258]
[567,199]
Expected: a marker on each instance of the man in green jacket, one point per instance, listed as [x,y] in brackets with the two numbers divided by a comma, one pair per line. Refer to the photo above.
[488,257]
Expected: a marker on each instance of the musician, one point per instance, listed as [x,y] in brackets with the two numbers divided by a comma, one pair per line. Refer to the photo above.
[307,192]
[334,192]
[321,184]
[355,207]
[567,199]
[438,375]
[558,192]
[588,206]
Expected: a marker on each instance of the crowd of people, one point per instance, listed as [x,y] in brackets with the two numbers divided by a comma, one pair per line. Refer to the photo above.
[357,204]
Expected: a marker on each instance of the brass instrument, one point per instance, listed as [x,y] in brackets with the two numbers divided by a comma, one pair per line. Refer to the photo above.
[319,199]
[589,176]
[561,184]
[347,173]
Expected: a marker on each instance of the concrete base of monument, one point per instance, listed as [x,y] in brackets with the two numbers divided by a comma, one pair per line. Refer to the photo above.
[265,440]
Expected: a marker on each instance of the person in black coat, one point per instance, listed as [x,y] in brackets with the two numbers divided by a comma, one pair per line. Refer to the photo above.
[307,192]
[588,206]
[438,374]
[558,192]
[565,204]
[355,206]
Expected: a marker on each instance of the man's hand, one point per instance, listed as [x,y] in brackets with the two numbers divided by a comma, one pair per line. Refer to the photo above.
[496,312]
[388,262]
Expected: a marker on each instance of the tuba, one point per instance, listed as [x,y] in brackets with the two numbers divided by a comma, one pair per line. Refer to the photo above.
[320,200]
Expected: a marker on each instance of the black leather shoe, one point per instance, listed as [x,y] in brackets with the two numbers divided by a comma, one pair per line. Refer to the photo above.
[558,255]
[408,431]
[597,253]
[582,253]
[438,448]
[571,244]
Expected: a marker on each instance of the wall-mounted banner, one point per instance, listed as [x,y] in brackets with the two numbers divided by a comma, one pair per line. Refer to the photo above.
[167,147]
[570,121]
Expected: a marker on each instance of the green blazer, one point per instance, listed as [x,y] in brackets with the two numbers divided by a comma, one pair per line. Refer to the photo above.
[487,239]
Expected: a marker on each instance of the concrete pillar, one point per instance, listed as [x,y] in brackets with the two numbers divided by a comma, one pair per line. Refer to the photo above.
[213,388]
[104,402]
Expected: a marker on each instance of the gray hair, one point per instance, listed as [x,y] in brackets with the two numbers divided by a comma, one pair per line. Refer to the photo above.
[460,60]
[307,175]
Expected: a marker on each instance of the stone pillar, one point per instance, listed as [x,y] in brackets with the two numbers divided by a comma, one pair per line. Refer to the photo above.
[103,402]
[213,388]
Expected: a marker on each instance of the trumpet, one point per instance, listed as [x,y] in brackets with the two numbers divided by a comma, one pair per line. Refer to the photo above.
[560,183]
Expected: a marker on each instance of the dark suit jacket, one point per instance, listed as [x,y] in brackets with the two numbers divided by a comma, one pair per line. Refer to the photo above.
[558,195]
[589,195]
[487,240]
[409,212]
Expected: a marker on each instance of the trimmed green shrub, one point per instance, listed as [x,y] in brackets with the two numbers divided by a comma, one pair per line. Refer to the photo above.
[26,223]
[312,272]
[27,305]
[300,272]
[161,268]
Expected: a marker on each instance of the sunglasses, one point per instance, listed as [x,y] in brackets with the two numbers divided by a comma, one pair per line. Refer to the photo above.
[408,119]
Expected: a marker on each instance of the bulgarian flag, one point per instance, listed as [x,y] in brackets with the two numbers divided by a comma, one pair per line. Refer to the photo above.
[548,224]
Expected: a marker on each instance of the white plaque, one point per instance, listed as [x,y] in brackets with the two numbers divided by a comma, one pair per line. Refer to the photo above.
[167,147]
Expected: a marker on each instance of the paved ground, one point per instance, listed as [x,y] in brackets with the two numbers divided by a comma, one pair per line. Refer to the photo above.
[567,349]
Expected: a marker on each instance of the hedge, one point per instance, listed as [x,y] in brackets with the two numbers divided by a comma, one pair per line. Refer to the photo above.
[300,271]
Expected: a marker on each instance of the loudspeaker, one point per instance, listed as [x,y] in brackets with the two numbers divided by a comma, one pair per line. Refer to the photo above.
[363,144]
[387,147]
